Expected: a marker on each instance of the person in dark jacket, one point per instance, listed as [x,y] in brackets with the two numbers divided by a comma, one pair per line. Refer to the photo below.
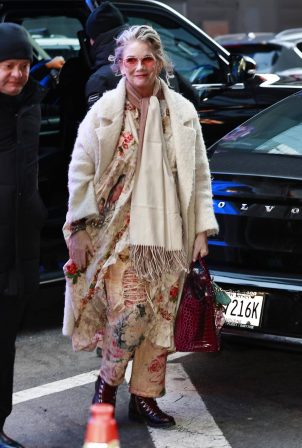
[21,210]
[103,25]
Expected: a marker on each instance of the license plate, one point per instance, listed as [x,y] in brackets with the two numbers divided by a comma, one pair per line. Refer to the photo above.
[245,309]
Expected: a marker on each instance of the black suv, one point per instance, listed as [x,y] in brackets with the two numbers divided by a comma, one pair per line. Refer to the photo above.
[228,91]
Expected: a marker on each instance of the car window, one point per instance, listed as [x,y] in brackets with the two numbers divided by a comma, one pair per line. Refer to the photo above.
[192,58]
[57,36]
[277,130]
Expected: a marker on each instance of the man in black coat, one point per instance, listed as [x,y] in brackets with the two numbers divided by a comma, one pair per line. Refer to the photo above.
[103,25]
[21,210]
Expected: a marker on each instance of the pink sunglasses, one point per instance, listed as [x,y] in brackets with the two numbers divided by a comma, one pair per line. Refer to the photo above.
[146,61]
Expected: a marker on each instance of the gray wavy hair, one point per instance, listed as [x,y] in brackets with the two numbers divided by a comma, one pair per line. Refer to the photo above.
[146,34]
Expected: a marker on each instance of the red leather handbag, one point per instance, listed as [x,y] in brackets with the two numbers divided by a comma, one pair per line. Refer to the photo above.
[195,329]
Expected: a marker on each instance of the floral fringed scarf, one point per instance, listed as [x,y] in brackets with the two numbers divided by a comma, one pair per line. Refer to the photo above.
[156,244]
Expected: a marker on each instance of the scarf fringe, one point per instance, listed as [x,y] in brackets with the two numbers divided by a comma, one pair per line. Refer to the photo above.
[151,262]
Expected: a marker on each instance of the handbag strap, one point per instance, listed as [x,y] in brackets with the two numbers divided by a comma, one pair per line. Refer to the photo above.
[205,268]
[208,277]
[203,264]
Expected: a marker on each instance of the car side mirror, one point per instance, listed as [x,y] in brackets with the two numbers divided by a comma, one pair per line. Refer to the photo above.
[242,68]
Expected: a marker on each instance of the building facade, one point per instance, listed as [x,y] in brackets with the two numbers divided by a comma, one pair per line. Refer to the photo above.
[237,16]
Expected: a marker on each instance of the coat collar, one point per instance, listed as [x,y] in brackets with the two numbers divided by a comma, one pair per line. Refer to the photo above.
[183,114]
[182,109]
[111,105]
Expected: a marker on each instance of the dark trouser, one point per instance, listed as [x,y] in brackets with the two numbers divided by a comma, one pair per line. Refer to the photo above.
[11,311]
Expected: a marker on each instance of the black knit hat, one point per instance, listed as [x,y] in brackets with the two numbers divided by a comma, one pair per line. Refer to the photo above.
[14,42]
[104,18]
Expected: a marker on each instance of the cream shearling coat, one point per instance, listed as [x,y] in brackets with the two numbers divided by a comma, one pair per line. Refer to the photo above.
[93,151]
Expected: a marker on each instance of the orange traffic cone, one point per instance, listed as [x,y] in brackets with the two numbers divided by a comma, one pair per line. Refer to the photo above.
[101,431]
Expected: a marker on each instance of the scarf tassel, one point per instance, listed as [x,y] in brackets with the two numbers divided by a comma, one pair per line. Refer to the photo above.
[151,262]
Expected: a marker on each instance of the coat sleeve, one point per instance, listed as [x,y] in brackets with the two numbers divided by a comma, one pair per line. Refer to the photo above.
[96,86]
[204,212]
[82,201]
[99,82]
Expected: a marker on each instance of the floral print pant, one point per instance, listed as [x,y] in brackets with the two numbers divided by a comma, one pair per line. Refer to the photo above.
[125,338]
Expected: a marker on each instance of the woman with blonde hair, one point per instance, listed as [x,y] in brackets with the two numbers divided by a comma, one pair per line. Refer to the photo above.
[127,264]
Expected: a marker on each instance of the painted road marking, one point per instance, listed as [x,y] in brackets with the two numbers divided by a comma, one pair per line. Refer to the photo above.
[195,428]
[55,386]
[68,383]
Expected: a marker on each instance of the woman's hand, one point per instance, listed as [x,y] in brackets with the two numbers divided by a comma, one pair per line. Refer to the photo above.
[200,245]
[80,246]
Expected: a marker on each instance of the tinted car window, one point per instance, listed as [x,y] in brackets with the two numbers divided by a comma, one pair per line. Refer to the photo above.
[277,130]
[193,59]
[55,35]
[59,45]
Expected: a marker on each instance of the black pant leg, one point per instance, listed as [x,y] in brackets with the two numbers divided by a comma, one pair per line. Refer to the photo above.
[11,312]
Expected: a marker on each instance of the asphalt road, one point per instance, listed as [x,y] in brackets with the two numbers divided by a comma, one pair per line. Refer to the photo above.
[242,397]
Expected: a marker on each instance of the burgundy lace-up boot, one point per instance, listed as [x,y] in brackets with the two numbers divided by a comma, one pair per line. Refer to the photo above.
[145,409]
[104,393]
